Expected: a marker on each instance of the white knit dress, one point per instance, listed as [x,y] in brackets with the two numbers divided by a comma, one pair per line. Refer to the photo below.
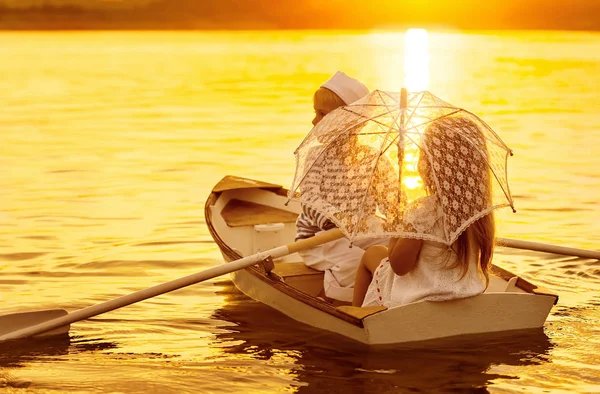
[430,279]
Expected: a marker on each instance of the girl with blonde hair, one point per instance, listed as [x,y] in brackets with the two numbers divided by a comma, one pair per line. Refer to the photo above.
[457,181]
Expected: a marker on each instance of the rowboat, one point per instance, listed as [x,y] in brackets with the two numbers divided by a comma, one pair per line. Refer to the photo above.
[246,216]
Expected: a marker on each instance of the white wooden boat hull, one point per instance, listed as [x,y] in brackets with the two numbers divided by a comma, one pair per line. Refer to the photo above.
[241,227]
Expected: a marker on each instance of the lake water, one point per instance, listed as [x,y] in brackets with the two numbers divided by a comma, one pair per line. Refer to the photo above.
[112,141]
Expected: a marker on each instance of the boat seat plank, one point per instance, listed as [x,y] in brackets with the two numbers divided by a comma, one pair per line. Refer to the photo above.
[239,213]
[286,270]
[512,284]
[234,182]
[361,312]
[521,283]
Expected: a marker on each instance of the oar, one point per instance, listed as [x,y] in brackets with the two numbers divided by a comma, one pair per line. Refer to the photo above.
[548,248]
[26,324]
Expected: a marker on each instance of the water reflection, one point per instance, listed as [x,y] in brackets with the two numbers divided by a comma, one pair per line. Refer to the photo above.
[326,362]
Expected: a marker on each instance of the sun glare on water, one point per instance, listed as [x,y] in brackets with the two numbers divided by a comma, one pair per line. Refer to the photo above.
[416,78]
[416,60]
[402,61]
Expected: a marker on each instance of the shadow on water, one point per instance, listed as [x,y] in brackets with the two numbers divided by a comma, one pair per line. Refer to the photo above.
[327,362]
[14,354]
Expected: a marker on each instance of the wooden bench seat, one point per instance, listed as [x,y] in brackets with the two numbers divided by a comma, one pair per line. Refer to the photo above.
[238,213]
[298,275]
[359,312]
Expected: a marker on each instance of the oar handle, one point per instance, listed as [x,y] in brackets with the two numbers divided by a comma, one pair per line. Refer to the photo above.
[167,287]
[541,247]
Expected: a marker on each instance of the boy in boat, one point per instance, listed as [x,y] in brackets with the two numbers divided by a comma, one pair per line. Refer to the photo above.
[339,259]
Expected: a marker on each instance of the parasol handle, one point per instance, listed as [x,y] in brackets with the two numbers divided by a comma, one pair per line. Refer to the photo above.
[403,105]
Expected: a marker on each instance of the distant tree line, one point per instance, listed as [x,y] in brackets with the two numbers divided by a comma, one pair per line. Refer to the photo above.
[298,14]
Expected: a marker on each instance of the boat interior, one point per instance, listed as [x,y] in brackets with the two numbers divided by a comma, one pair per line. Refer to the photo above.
[251,220]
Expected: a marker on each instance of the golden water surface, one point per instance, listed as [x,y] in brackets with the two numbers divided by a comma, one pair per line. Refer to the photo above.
[112,141]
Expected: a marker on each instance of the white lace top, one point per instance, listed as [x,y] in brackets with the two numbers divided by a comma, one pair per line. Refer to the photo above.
[430,279]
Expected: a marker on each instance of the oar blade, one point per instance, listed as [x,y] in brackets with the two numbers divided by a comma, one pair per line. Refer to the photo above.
[16,321]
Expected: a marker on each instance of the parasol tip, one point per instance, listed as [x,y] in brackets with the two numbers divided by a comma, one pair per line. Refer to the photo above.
[403,98]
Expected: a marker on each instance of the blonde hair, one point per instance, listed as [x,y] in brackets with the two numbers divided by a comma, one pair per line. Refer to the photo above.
[479,237]
[326,98]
